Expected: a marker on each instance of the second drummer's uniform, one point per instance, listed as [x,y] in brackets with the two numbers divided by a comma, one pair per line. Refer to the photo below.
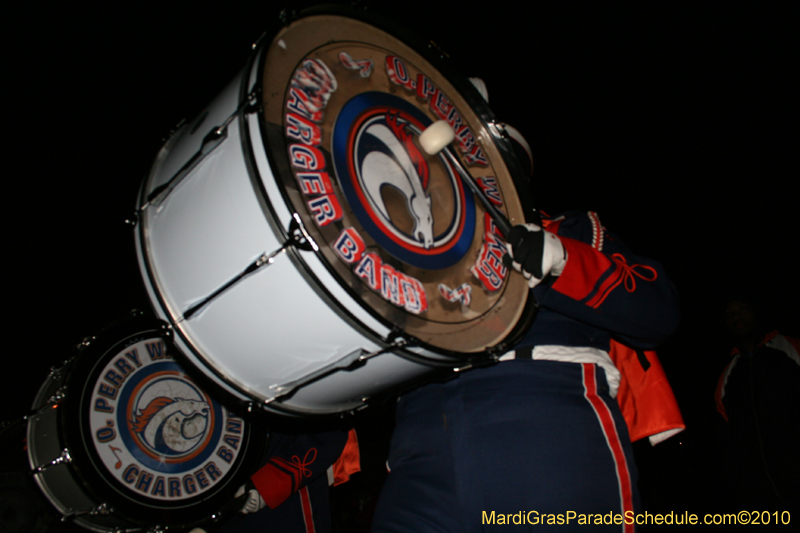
[539,438]
[293,483]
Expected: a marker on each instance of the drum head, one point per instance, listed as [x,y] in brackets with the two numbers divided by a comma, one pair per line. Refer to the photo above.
[146,439]
[344,103]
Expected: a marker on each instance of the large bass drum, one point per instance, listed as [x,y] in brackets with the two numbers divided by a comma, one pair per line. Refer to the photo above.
[121,439]
[305,251]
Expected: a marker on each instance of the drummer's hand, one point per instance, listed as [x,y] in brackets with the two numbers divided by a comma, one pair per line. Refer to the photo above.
[534,252]
[254,501]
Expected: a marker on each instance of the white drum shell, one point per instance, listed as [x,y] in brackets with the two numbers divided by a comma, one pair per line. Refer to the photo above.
[274,326]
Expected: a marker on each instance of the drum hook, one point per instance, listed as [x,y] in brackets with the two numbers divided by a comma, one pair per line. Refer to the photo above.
[297,233]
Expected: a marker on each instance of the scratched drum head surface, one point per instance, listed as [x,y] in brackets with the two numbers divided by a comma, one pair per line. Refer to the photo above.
[343,106]
[149,439]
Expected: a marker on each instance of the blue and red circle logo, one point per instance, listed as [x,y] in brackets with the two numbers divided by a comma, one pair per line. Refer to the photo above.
[415,208]
[156,433]
[168,423]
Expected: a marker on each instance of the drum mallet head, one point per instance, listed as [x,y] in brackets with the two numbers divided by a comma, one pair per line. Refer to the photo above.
[436,137]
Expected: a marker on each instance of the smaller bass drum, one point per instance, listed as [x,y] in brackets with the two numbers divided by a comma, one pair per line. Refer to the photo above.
[121,439]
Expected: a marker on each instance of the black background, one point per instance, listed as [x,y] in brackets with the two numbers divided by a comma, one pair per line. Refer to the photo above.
[676,123]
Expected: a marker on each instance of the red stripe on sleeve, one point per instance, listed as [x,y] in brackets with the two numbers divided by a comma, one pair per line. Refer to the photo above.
[273,484]
[608,285]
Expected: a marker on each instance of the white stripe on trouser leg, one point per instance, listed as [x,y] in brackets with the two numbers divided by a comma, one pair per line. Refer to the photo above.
[308,515]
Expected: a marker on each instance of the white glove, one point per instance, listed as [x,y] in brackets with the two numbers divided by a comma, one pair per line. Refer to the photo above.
[254,501]
[535,253]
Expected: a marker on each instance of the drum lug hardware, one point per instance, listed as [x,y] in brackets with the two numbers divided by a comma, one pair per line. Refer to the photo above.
[253,102]
[396,340]
[56,398]
[85,343]
[100,510]
[497,128]
[300,237]
[398,343]
[55,371]
[166,329]
[65,457]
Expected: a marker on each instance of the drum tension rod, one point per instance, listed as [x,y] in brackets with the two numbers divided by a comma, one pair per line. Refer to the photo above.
[349,362]
[298,237]
[99,510]
[65,457]
[211,141]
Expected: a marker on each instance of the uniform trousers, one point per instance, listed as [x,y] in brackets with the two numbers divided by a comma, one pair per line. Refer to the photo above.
[509,444]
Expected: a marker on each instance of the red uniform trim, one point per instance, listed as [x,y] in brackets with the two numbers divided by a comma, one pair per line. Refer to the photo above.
[273,484]
[279,478]
[552,225]
[612,439]
[644,396]
[349,462]
[585,266]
